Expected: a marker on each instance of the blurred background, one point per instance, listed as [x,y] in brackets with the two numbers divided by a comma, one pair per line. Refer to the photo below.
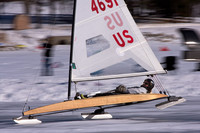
[171,28]
[57,15]
[60,11]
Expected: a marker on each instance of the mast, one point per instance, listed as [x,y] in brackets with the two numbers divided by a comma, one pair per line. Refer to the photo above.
[71,51]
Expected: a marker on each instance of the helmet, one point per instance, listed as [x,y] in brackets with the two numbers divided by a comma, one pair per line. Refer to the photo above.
[148,84]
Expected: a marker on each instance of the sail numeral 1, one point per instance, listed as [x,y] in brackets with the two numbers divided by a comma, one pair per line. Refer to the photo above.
[100,5]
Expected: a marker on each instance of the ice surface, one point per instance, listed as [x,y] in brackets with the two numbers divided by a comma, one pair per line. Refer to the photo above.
[140,118]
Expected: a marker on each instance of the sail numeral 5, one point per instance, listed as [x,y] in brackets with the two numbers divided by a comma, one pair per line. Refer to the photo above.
[100,5]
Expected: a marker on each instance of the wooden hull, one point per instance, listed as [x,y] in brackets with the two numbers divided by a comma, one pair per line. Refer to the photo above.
[95,102]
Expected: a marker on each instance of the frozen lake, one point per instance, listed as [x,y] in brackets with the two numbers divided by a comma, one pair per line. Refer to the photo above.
[20,73]
[141,118]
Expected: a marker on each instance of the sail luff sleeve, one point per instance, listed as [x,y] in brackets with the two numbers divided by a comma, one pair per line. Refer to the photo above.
[71,51]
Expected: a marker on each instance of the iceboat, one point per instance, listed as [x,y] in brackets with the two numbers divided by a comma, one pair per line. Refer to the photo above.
[106,44]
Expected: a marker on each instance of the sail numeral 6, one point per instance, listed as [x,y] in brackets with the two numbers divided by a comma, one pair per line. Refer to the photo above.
[102,5]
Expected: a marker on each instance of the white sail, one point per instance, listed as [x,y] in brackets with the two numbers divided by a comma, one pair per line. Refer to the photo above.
[108,44]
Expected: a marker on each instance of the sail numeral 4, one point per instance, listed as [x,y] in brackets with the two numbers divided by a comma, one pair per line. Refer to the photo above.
[100,5]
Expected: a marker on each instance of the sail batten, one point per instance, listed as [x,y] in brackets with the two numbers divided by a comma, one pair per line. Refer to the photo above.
[108,44]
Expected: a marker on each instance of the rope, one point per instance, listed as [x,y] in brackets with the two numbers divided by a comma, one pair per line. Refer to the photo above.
[164,90]
[32,81]
[26,102]
[157,86]
[160,86]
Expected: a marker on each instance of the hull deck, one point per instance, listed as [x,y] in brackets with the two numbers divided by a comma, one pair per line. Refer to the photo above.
[95,102]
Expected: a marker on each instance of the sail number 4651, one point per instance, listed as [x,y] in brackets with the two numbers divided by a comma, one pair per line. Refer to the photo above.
[100,5]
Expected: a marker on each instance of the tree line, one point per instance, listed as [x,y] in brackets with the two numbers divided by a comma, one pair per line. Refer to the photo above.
[162,8]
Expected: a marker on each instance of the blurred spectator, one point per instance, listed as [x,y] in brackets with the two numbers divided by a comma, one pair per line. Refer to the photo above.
[47,56]
[170,62]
